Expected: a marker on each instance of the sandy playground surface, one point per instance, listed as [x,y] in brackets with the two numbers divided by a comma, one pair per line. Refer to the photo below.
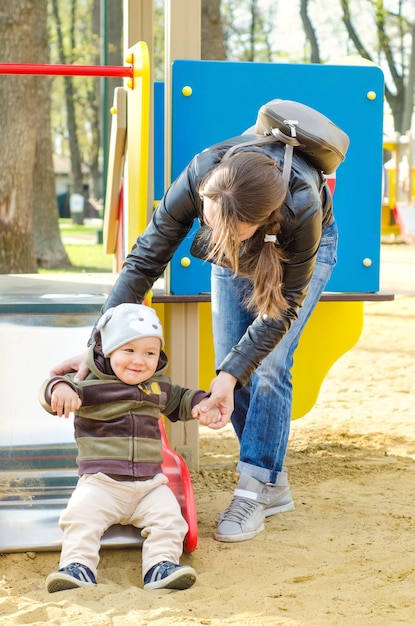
[345,555]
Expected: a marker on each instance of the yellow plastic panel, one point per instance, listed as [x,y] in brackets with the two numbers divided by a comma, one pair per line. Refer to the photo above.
[333,329]
[138,123]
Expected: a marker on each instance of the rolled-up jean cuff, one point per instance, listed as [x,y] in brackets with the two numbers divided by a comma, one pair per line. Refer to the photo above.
[259,473]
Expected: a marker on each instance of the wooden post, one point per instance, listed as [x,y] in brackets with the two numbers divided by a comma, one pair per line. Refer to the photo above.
[182,40]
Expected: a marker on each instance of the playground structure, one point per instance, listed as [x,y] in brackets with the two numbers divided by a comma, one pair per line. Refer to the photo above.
[398,201]
[196,107]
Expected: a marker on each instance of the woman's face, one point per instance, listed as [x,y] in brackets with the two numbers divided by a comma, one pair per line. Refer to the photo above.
[245,231]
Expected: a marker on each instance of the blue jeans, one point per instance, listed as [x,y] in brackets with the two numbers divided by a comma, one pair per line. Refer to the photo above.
[262,412]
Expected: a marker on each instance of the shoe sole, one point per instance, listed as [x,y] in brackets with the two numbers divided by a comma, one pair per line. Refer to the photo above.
[62,582]
[271,511]
[240,537]
[279,509]
[177,580]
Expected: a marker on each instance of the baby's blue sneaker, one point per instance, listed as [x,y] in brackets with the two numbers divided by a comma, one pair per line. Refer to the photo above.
[167,575]
[70,577]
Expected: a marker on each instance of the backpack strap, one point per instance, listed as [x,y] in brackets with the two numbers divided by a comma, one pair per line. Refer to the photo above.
[276,135]
[258,141]
[290,141]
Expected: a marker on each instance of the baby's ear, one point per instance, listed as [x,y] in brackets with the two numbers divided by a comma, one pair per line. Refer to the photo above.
[98,342]
[105,318]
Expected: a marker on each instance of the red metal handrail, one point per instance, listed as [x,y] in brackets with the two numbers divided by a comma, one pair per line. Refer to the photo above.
[126,71]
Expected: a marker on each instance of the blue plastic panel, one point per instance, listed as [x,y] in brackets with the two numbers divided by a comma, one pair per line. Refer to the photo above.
[224,102]
[158,141]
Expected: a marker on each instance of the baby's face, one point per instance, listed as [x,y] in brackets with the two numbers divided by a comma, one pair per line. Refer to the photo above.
[136,361]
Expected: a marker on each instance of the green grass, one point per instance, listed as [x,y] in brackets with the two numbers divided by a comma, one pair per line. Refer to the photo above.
[89,258]
[68,228]
[85,254]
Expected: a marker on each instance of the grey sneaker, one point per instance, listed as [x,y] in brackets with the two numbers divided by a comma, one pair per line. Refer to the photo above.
[253,501]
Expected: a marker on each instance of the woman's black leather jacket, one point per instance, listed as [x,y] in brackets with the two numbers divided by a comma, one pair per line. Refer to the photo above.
[307,211]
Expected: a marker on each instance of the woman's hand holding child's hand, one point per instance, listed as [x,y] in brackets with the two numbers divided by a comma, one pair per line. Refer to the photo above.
[211,418]
[220,400]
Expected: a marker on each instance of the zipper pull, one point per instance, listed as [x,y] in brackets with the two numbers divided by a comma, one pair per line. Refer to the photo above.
[292,124]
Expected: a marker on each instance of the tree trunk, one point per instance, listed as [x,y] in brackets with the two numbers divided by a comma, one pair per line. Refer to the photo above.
[94,103]
[113,56]
[213,46]
[18,139]
[109,53]
[310,32]
[408,108]
[50,251]
[77,181]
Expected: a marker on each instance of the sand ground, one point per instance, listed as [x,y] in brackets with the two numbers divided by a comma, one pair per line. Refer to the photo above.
[344,556]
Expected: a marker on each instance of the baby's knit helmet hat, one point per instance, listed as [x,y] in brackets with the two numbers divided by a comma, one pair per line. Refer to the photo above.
[126,322]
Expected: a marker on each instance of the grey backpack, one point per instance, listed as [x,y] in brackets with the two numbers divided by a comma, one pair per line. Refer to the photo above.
[299,126]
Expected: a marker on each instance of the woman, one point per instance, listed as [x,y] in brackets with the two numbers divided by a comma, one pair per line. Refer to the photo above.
[272,252]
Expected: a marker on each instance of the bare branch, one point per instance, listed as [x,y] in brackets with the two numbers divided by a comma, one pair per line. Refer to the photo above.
[361,49]
[310,32]
[384,45]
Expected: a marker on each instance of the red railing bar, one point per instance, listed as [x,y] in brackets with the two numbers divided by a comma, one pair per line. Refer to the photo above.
[126,71]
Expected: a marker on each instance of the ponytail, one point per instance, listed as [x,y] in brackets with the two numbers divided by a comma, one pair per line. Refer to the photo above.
[267,279]
[248,187]
[266,271]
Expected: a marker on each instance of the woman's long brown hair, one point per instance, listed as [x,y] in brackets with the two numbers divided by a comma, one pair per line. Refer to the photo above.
[248,187]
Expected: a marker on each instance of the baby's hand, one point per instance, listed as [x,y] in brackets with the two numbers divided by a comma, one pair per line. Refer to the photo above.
[211,418]
[64,400]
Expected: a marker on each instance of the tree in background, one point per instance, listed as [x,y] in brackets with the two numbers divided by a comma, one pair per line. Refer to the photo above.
[310,32]
[110,45]
[212,35]
[81,109]
[248,25]
[381,31]
[251,31]
[66,46]
[394,51]
[18,139]
[26,183]
[49,249]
